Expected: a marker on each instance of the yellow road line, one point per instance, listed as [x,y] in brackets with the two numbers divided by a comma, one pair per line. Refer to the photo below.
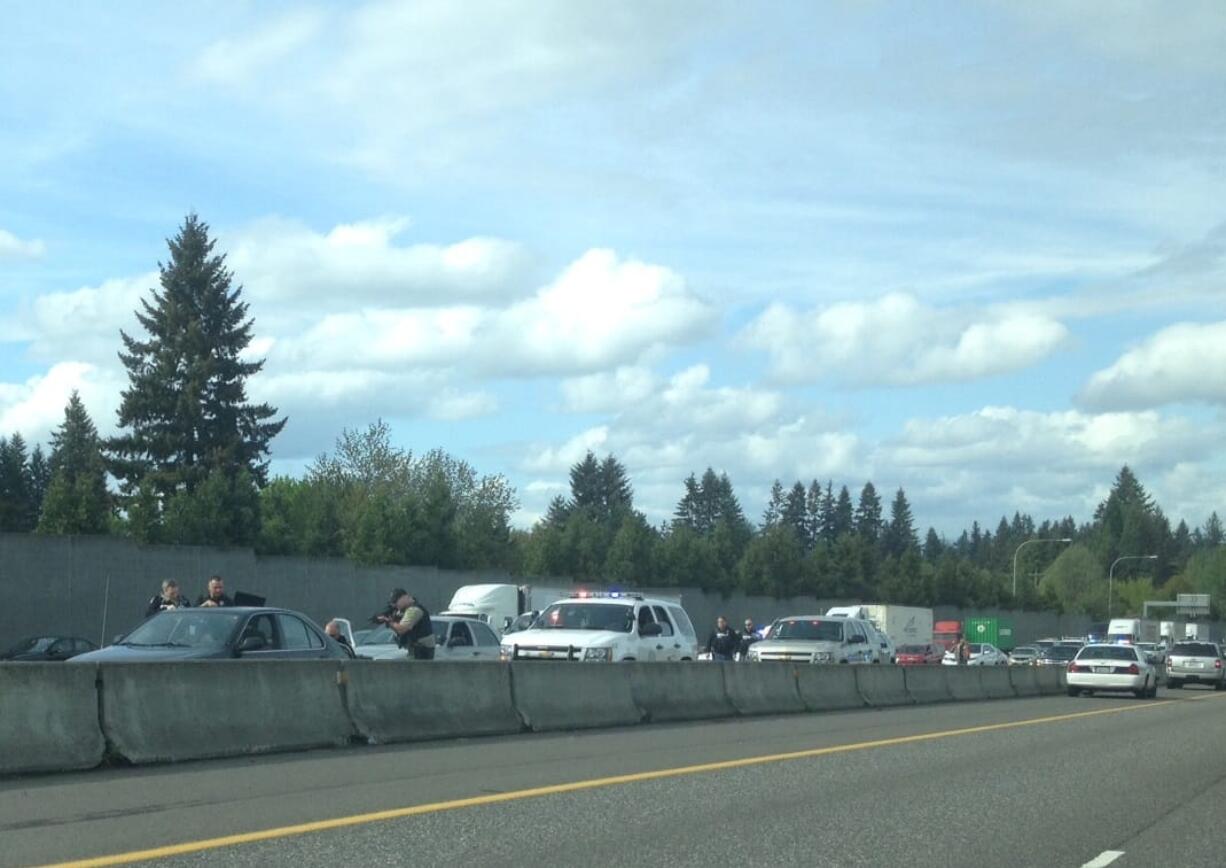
[578,786]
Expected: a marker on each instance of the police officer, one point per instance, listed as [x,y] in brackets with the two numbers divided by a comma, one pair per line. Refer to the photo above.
[170,598]
[215,594]
[415,632]
[724,641]
[389,614]
[747,638]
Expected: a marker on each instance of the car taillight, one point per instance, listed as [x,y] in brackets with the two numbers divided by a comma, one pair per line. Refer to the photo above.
[1217,664]
[1073,667]
[1134,669]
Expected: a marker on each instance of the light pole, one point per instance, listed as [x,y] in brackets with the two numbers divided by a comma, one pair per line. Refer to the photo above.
[1026,543]
[1111,575]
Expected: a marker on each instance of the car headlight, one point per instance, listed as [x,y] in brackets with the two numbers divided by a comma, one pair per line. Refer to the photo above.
[753,655]
[598,655]
[822,657]
[505,654]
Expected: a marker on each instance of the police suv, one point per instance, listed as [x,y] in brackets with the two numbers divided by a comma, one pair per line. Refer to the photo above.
[604,628]
[818,639]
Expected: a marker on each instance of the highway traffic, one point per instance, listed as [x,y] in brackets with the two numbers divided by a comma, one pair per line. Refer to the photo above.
[1043,782]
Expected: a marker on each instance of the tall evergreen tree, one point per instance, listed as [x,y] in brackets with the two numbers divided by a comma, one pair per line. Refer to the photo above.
[869,521]
[774,506]
[185,415]
[934,546]
[687,512]
[795,514]
[77,500]
[16,501]
[826,517]
[844,515]
[899,534]
[40,479]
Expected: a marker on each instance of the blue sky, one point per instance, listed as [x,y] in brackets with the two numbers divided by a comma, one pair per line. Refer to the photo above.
[976,251]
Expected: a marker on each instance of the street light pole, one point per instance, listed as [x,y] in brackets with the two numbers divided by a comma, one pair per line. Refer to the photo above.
[1026,543]
[1111,575]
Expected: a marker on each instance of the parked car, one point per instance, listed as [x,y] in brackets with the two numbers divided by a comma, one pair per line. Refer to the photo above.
[818,639]
[1157,650]
[982,654]
[1057,655]
[1112,668]
[456,637]
[1024,655]
[920,655]
[249,633]
[1195,663]
[47,649]
[606,627]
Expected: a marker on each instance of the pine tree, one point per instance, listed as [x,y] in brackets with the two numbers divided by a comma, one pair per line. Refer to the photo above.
[826,515]
[40,479]
[813,512]
[77,500]
[869,522]
[774,506]
[899,534]
[844,517]
[686,513]
[185,413]
[934,546]
[1212,533]
[16,503]
[795,514]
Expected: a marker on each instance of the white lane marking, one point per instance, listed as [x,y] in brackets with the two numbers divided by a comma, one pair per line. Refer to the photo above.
[1103,859]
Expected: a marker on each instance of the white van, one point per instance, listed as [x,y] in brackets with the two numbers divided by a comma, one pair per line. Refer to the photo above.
[606,627]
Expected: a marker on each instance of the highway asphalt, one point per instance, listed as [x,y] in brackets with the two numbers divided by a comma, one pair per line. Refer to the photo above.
[1035,782]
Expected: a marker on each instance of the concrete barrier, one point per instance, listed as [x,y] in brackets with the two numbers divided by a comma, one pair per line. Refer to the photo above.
[996,683]
[762,688]
[166,712]
[965,684]
[1024,681]
[828,688]
[927,684]
[882,686]
[553,695]
[679,691]
[400,701]
[1050,679]
[49,717]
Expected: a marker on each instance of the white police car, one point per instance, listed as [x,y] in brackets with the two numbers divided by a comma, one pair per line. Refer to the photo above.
[606,627]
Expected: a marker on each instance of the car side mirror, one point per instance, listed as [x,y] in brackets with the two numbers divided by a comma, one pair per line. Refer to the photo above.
[650,630]
[251,643]
[507,622]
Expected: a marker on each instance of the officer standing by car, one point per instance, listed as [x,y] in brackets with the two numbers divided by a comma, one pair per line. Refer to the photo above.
[747,638]
[724,641]
[215,594]
[170,598]
[414,631]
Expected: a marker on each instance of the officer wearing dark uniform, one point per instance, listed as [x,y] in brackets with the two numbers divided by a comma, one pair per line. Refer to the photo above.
[414,631]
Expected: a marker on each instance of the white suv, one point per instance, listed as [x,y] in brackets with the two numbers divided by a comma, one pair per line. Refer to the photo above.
[603,628]
[818,639]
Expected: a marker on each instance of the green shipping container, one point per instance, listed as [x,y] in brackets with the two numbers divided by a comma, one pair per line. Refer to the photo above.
[995,631]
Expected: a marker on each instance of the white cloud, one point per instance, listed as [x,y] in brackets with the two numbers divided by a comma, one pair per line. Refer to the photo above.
[608,391]
[12,247]
[286,263]
[236,59]
[898,340]
[1183,362]
[84,323]
[35,407]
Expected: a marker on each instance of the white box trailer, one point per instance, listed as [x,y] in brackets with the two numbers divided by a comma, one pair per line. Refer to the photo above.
[499,605]
[904,625]
[1198,632]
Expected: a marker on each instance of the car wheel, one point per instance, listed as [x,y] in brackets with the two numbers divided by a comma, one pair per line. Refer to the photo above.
[1172,684]
[1074,692]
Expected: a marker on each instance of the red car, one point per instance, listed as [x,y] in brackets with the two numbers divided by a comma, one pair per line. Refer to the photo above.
[920,655]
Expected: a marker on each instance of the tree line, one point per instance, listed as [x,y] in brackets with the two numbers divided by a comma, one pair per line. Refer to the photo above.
[190,465]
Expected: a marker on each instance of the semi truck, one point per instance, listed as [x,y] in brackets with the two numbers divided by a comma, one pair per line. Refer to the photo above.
[1170,632]
[903,625]
[1197,632]
[1132,631]
[502,605]
[947,633]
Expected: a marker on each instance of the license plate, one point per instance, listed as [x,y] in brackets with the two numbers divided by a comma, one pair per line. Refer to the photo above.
[1196,664]
[1102,670]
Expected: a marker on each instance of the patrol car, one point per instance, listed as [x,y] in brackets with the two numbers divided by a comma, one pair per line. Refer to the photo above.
[606,627]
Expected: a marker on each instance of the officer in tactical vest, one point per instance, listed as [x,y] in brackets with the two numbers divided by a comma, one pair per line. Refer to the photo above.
[414,631]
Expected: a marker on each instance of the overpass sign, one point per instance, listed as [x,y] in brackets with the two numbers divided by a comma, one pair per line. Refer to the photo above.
[1193,605]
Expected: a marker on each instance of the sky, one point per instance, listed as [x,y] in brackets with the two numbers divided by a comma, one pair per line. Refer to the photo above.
[973,249]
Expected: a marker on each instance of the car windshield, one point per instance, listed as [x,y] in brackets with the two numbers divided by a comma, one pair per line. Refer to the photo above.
[379,636]
[32,646]
[1107,652]
[913,649]
[587,616]
[1061,652]
[814,630]
[1025,651]
[1194,649]
[185,629]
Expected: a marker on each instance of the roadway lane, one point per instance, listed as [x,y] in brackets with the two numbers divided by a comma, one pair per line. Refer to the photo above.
[1141,778]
